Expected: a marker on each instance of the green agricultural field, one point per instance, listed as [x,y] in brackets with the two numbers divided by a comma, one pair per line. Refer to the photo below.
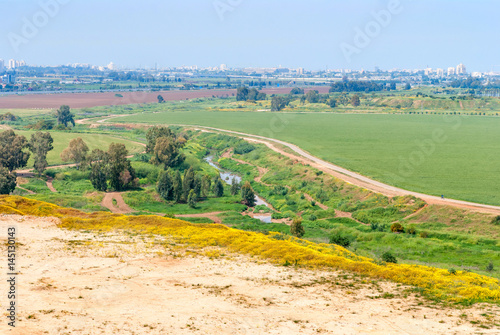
[94,141]
[26,112]
[435,154]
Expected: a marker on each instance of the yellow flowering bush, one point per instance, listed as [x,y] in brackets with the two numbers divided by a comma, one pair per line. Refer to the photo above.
[438,283]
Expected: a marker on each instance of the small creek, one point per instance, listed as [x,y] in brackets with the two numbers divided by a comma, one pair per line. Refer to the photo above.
[228,178]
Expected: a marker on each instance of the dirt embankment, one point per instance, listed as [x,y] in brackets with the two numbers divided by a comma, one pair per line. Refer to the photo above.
[94,283]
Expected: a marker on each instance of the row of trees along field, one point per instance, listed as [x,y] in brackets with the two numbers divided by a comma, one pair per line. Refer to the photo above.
[280,102]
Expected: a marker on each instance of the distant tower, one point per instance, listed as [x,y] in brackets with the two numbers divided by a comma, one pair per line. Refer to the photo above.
[451,71]
[223,67]
[1,65]
[440,72]
[12,64]
[111,66]
[461,69]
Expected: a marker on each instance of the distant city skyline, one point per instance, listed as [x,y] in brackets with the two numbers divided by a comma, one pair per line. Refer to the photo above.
[390,34]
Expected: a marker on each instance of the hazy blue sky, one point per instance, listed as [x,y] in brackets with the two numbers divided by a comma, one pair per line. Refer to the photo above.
[267,33]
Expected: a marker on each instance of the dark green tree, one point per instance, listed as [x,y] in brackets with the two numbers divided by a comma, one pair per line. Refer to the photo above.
[248,195]
[296,228]
[13,150]
[75,152]
[154,133]
[191,200]
[332,102]
[218,188]
[7,180]
[242,94]
[355,101]
[160,99]
[166,152]
[120,174]
[408,86]
[312,97]
[277,104]
[235,187]
[40,145]
[206,184]
[64,116]
[98,163]
[177,186]
[188,182]
[165,185]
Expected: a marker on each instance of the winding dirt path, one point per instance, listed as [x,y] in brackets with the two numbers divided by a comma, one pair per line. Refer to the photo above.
[25,189]
[122,208]
[50,185]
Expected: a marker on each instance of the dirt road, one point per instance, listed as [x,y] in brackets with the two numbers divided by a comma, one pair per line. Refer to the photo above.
[352,177]
[120,208]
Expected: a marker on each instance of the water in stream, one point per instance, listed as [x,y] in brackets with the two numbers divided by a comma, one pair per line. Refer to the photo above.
[228,177]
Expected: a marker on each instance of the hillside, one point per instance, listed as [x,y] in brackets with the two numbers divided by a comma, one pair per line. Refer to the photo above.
[106,273]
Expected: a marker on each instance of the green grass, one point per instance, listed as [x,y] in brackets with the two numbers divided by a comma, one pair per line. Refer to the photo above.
[26,111]
[461,164]
[94,141]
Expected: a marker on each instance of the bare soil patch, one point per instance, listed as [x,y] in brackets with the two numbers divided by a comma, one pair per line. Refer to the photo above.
[87,283]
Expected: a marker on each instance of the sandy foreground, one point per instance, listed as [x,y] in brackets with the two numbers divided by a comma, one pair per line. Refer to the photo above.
[88,283]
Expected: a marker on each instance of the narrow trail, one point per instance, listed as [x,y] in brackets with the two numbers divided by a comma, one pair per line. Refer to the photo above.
[320,205]
[25,189]
[212,216]
[122,208]
[50,185]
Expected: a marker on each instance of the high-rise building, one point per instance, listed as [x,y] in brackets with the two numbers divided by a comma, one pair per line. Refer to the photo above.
[428,71]
[111,66]
[451,71]
[300,71]
[12,64]
[1,65]
[461,69]
[440,72]
[223,67]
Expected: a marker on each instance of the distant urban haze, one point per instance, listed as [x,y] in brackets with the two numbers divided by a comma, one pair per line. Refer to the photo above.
[254,33]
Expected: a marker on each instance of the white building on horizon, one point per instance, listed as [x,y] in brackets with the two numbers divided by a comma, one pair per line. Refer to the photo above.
[440,72]
[111,66]
[461,69]
[2,65]
[12,64]
[451,71]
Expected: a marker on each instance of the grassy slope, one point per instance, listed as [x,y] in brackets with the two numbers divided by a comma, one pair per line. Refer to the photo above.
[94,141]
[464,166]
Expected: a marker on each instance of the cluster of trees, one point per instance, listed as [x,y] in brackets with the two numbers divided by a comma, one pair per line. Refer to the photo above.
[108,169]
[245,94]
[190,188]
[15,151]
[474,83]
[9,117]
[360,86]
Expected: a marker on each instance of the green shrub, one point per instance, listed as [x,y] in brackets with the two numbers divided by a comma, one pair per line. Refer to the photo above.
[412,230]
[397,228]
[424,234]
[496,220]
[388,257]
[243,148]
[341,239]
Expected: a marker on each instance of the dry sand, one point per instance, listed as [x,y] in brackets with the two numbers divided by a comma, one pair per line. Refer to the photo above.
[87,283]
